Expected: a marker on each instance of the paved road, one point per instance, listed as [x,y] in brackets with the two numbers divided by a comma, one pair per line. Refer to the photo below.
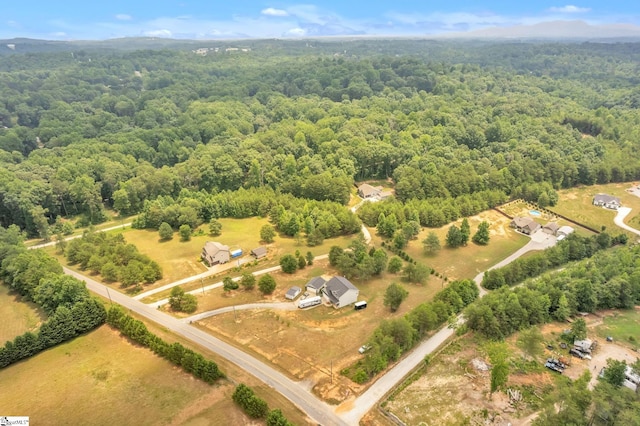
[280,306]
[73,237]
[308,403]
[619,220]
[353,410]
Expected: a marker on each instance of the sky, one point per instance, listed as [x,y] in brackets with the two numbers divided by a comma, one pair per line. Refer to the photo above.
[215,19]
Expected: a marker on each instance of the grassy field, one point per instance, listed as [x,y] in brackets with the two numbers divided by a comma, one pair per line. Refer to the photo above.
[102,379]
[17,317]
[182,259]
[623,326]
[577,204]
[467,262]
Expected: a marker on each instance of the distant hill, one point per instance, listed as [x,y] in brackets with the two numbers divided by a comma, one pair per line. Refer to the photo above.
[577,30]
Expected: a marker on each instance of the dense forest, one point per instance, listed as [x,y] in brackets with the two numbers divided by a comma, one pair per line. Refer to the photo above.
[458,127]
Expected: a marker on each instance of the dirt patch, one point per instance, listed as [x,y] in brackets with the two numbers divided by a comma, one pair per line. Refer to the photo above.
[453,391]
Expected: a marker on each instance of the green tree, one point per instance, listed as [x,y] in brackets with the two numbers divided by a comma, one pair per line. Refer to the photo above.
[248,281]
[215,227]
[175,298]
[465,232]
[563,311]
[394,295]
[454,237]
[531,342]
[498,353]
[482,236]
[431,244]
[614,372]
[395,265]
[266,284]
[267,233]
[400,240]
[417,273]
[165,231]
[276,418]
[309,257]
[229,284]
[301,262]
[185,232]
[579,329]
[289,264]
[189,303]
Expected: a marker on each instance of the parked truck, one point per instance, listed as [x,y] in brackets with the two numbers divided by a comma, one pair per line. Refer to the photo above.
[311,301]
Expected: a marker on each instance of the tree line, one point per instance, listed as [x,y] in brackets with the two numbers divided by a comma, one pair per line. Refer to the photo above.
[38,277]
[110,256]
[190,361]
[572,248]
[610,279]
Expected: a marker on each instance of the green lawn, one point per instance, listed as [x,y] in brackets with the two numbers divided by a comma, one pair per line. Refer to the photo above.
[577,204]
[467,262]
[182,259]
[17,317]
[102,379]
[623,326]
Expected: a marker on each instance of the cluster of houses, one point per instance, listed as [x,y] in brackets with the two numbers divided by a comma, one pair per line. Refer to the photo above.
[214,253]
[369,192]
[583,348]
[607,201]
[528,226]
[337,291]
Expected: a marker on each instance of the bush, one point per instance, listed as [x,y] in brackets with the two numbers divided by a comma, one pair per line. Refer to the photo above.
[247,400]
[267,284]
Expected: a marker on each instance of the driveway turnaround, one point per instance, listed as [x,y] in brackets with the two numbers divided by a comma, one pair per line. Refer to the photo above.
[619,220]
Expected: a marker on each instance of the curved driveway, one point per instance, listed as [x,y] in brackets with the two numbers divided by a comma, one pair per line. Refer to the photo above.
[619,220]
[308,403]
[282,306]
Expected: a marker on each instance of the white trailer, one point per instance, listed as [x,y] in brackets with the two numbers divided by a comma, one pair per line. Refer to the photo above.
[311,301]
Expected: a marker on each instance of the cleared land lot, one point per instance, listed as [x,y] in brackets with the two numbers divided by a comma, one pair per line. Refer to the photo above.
[577,204]
[102,379]
[467,262]
[17,317]
[307,344]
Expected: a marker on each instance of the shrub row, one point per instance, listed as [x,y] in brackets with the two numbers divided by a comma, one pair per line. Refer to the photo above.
[192,362]
[256,407]
[65,324]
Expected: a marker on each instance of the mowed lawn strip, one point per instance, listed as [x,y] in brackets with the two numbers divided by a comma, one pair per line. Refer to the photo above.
[577,204]
[17,317]
[102,379]
[623,326]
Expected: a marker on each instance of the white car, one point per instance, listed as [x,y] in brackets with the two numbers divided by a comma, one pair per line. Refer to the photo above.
[364,348]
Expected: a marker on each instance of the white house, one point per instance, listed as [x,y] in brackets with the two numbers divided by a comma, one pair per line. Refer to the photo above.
[315,285]
[293,292]
[214,253]
[340,292]
[367,191]
[607,201]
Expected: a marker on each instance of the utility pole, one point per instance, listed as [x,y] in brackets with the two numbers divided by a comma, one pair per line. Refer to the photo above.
[109,294]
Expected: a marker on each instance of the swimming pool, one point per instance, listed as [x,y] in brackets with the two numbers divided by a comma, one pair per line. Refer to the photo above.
[534,213]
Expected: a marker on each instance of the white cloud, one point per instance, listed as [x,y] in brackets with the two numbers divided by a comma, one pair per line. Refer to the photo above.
[570,9]
[158,33]
[296,32]
[270,11]
[123,17]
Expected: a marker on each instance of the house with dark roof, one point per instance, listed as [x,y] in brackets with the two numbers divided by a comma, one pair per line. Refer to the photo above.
[340,292]
[315,285]
[607,201]
[214,253]
[367,191]
[551,228]
[526,225]
[259,252]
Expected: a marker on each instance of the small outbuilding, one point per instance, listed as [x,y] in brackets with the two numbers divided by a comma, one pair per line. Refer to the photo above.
[315,286]
[340,292]
[214,253]
[293,292]
[563,232]
[259,252]
[551,228]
